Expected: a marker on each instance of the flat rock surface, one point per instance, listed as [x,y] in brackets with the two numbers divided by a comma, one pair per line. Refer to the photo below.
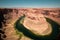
[37,26]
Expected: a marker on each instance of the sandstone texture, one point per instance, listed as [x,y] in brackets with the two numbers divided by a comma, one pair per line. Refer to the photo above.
[34,17]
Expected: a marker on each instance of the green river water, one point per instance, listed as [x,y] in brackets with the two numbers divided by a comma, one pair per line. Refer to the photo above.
[55,30]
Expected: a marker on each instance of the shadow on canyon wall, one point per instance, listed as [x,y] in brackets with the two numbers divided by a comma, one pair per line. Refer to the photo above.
[3,21]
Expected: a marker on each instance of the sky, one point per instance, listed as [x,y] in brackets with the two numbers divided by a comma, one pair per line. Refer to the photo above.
[29,3]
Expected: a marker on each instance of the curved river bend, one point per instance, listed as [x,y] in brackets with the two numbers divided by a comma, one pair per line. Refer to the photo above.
[28,33]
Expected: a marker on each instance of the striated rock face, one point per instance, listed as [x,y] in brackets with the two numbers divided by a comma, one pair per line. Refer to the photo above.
[7,21]
[39,25]
[8,16]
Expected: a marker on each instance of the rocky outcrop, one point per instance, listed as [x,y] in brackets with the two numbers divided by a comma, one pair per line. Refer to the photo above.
[8,16]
